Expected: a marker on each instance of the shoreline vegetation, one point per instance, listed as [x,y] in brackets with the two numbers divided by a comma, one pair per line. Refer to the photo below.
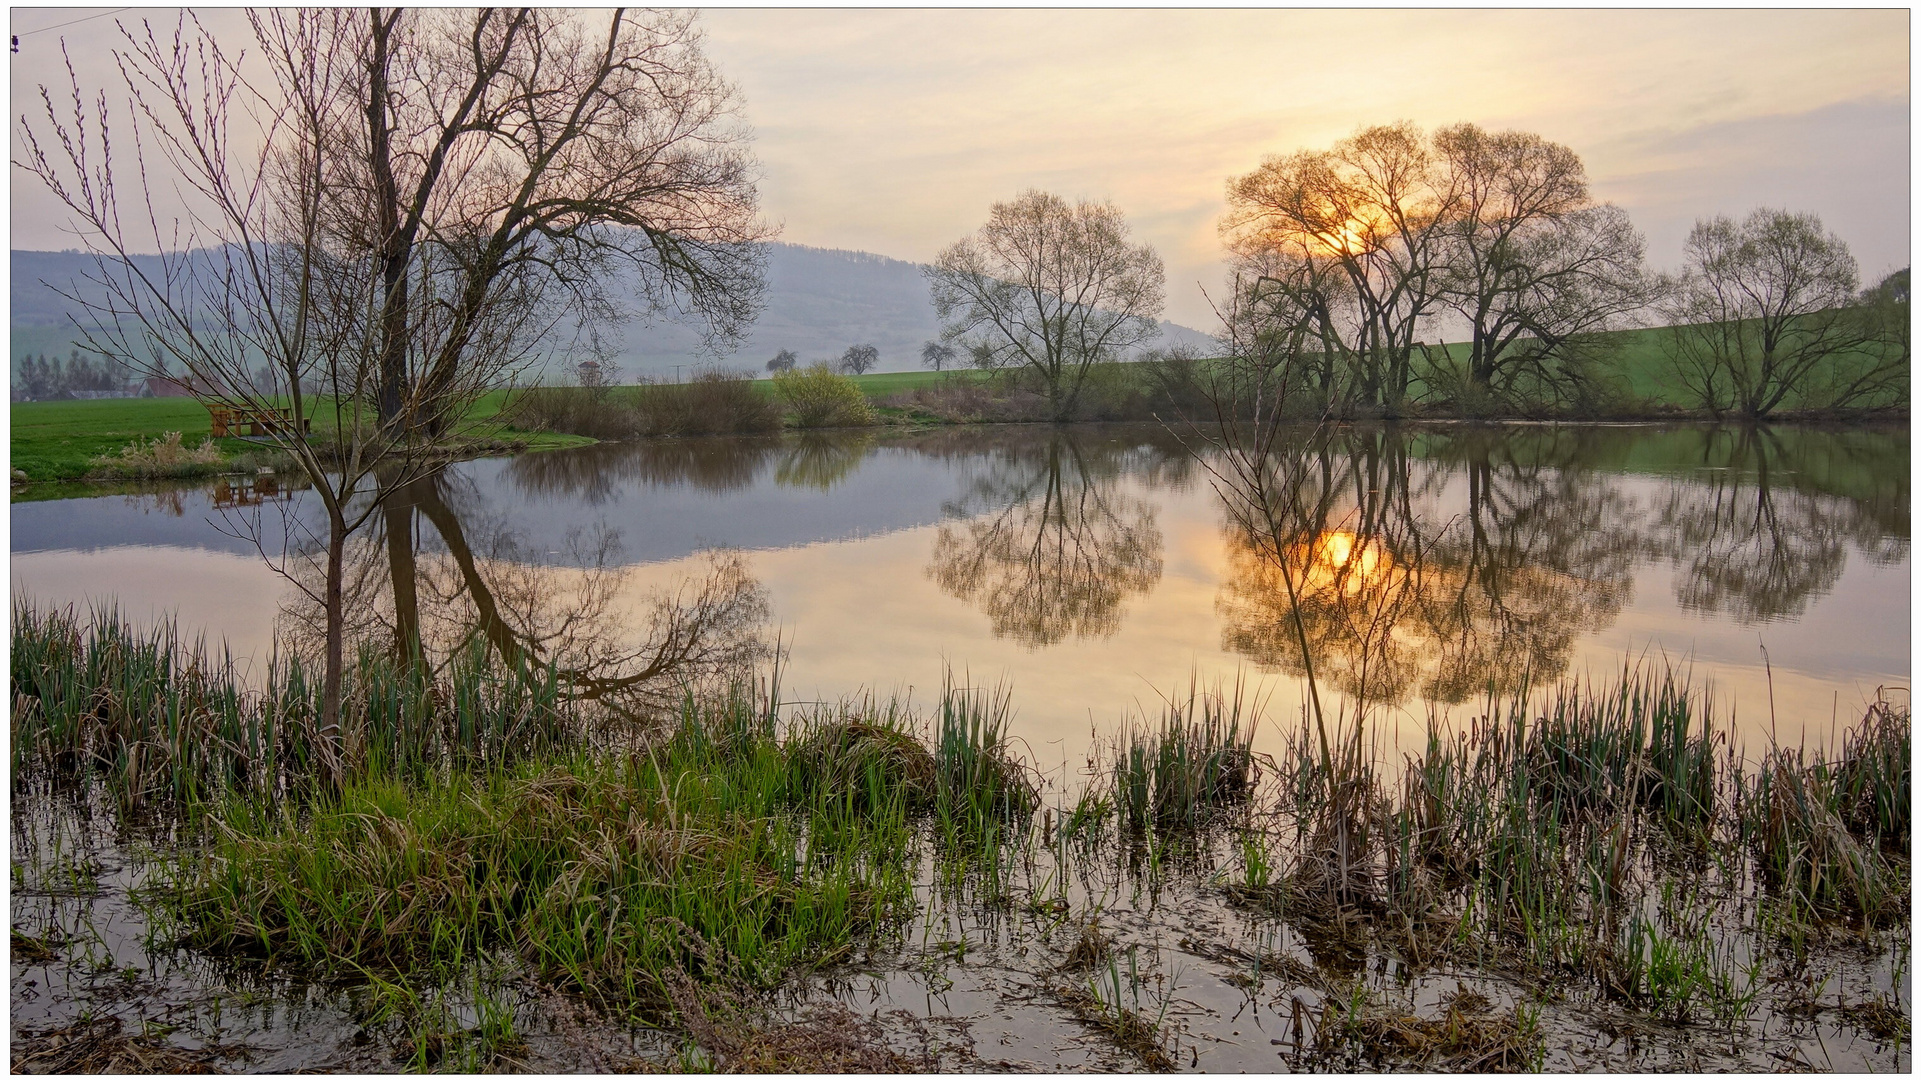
[1604,843]
[89,442]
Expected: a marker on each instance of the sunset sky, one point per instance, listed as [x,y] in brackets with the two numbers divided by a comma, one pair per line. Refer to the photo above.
[893,130]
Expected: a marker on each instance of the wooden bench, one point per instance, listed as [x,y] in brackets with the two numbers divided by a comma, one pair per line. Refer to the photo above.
[228,421]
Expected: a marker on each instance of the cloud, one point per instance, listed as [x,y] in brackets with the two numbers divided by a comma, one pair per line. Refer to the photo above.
[893,130]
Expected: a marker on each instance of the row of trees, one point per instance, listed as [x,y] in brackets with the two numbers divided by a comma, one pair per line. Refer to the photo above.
[1354,261]
[41,379]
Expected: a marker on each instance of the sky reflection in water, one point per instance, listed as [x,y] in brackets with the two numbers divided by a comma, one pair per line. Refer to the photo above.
[1096,568]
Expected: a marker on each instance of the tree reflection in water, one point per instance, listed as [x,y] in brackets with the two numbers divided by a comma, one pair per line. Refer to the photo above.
[1432,564]
[448,574]
[1045,542]
[1404,591]
[1762,525]
[720,464]
[1454,564]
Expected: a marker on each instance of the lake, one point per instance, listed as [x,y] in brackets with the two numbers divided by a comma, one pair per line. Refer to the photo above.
[1097,569]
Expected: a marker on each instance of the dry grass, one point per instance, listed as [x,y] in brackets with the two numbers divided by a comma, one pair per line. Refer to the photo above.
[101,1046]
[1129,1030]
[1468,1036]
[165,456]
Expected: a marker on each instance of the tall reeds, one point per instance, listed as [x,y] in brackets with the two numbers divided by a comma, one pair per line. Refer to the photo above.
[160,717]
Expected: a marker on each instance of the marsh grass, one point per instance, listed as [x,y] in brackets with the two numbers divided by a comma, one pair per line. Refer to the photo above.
[1194,767]
[160,717]
[1597,835]
[603,874]
[1830,832]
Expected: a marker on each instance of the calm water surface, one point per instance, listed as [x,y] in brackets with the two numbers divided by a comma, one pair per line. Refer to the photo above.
[1095,570]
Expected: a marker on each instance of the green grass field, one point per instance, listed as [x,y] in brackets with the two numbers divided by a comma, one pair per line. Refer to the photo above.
[58,440]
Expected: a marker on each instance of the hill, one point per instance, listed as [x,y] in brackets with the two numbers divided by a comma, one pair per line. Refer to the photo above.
[819,301]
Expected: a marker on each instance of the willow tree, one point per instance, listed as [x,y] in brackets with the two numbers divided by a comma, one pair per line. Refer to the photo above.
[1765,316]
[1049,287]
[1532,264]
[1364,248]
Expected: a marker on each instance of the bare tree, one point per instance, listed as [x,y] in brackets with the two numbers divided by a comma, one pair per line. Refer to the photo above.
[937,355]
[1533,265]
[1051,288]
[499,155]
[783,360]
[1346,244]
[859,359]
[395,221]
[1763,317]
[247,270]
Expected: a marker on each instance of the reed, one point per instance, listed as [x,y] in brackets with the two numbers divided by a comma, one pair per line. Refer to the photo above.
[164,718]
[1196,764]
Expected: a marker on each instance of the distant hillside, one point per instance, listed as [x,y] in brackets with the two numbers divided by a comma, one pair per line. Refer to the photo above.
[819,301]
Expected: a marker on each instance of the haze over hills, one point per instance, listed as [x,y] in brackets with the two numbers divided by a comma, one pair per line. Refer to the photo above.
[818,302]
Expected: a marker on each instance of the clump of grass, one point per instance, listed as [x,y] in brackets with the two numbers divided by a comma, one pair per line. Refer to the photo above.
[1110,1001]
[1880,1016]
[1197,764]
[164,457]
[981,781]
[870,763]
[1468,1036]
[604,875]
[1830,833]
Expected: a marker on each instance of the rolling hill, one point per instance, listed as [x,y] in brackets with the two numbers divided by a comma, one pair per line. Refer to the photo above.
[818,302]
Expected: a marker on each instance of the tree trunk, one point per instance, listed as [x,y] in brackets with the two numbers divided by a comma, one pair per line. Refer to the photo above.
[331,755]
[399,512]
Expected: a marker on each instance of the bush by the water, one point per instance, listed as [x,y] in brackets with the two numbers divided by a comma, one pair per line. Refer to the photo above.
[714,402]
[821,397]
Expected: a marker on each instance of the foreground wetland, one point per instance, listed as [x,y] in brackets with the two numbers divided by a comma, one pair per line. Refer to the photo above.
[986,748]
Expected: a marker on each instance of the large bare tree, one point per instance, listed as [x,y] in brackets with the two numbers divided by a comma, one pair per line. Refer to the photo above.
[1765,316]
[1532,264]
[1346,243]
[589,160]
[1051,287]
[283,249]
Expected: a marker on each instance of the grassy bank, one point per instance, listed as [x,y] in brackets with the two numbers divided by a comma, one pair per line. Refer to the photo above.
[1603,843]
[64,440]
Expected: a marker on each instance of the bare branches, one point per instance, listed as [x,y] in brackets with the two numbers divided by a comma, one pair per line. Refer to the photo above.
[1765,316]
[1050,288]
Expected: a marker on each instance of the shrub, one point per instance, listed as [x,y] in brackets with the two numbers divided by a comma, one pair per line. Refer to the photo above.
[716,402]
[821,398]
[574,410]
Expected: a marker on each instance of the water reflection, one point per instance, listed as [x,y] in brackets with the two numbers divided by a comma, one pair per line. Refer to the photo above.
[445,572]
[1763,527]
[1447,565]
[1427,564]
[1046,543]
